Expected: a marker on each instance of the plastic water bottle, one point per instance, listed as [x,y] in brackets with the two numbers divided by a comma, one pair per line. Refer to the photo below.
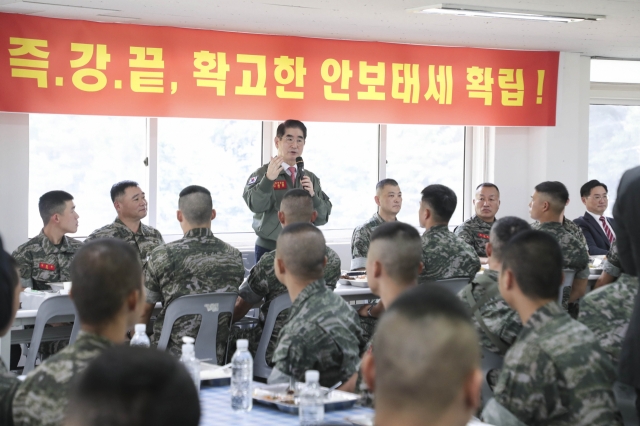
[241,377]
[311,407]
[140,338]
[190,361]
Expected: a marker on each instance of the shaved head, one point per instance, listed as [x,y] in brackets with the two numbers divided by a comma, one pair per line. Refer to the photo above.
[555,193]
[301,246]
[425,350]
[297,206]
[195,204]
[398,247]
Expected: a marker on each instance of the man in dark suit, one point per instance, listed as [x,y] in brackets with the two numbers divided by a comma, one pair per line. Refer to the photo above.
[597,229]
[626,211]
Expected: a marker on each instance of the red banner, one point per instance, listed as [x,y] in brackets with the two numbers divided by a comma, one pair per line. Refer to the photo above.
[79,67]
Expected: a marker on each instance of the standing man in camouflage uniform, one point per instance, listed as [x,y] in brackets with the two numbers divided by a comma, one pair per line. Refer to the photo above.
[547,207]
[444,255]
[109,296]
[607,310]
[475,231]
[389,200]
[267,185]
[131,206]
[262,283]
[46,257]
[555,373]
[195,264]
[497,324]
[323,332]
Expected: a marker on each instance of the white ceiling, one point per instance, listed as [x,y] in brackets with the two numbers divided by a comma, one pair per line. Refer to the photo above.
[618,36]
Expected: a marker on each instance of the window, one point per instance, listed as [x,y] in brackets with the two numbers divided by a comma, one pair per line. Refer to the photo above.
[345,158]
[85,156]
[420,155]
[217,154]
[614,144]
[610,71]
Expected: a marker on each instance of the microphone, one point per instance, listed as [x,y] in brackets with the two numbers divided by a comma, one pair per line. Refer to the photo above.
[300,164]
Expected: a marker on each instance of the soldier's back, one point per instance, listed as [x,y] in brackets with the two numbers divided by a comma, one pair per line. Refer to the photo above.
[196,264]
[557,374]
[607,312]
[445,255]
[42,398]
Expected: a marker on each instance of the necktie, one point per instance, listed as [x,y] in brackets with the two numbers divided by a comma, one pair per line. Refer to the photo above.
[606,228]
[292,170]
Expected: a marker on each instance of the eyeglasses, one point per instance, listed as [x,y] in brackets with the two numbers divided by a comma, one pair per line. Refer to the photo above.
[599,197]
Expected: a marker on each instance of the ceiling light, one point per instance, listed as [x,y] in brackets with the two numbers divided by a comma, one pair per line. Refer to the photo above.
[494,12]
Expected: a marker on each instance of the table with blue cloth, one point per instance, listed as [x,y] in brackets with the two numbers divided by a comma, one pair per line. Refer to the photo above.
[216,410]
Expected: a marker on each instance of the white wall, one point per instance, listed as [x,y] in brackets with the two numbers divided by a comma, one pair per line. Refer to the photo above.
[14,179]
[526,156]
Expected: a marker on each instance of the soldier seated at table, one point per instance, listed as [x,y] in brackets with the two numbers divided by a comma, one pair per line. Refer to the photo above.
[262,283]
[394,262]
[131,207]
[46,258]
[547,208]
[607,310]
[475,231]
[9,302]
[444,254]
[555,373]
[108,295]
[496,323]
[323,332]
[389,200]
[424,367]
[195,264]
[131,386]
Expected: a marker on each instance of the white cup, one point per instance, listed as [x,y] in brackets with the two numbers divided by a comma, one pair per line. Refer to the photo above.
[66,285]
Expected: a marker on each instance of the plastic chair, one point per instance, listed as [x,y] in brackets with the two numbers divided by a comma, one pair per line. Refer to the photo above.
[563,300]
[277,305]
[454,284]
[50,308]
[209,306]
[626,400]
[490,361]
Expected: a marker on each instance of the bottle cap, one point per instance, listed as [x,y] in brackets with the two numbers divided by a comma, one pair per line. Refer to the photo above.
[141,328]
[311,376]
[242,343]
[188,340]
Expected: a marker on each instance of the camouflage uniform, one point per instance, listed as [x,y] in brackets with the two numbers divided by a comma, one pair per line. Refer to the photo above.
[42,398]
[575,230]
[263,284]
[475,232]
[8,386]
[612,264]
[446,256]
[361,239]
[42,262]
[323,333]
[607,310]
[195,264]
[497,324]
[555,374]
[574,254]
[144,240]
[263,197]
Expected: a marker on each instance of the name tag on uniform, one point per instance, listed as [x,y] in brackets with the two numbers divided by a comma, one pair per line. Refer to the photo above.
[280,184]
[47,266]
[485,236]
